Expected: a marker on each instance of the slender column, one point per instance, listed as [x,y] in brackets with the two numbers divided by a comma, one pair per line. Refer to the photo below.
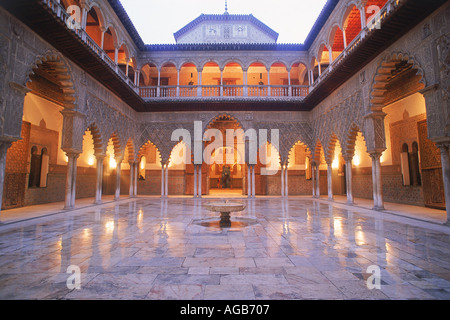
[3,151]
[289,83]
[313,178]
[362,11]
[116,55]
[253,182]
[282,180]
[245,78]
[330,181]
[178,83]
[99,183]
[84,13]
[136,168]
[132,177]
[320,68]
[199,83]
[71,178]
[317,180]
[376,181]
[166,181]
[244,179]
[158,89]
[102,38]
[309,77]
[74,181]
[286,185]
[269,91]
[118,171]
[200,181]
[249,182]
[162,180]
[345,38]
[330,53]
[221,82]
[195,181]
[349,179]
[126,69]
[445,161]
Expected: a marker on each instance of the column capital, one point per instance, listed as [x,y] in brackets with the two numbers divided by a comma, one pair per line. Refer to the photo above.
[430,89]
[18,87]
[99,156]
[443,146]
[376,114]
[72,153]
[375,154]
[348,157]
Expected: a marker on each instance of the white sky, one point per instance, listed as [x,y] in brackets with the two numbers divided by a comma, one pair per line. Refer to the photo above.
[157,20]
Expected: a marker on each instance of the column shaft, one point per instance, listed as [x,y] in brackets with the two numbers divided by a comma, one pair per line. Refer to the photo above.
[317,181]
[200,181]
[162,180]
[313,178]
[136,177]
[445,160]
[99,182]
[349,180]
[132,177]
[377,181]
[166,181]
[286,185]
[195,181]
[118,171]
[3,151]
[253,182]
[249,182]
[330,181]
[71,180]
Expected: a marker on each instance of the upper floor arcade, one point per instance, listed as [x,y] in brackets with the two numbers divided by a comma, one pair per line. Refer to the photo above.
[100,37]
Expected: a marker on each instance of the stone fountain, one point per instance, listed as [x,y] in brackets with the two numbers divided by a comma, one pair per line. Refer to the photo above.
[225,208]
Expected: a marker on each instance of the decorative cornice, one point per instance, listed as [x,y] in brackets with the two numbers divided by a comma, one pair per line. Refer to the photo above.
[226,47]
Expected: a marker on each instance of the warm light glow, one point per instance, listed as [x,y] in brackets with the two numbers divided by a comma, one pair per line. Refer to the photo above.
[142,164]
[356,160]
[337,223]
[109,226]
[112,163]
[360,238]
[382,158]
[91,160]
[335,163]
[86,233]
[140,217]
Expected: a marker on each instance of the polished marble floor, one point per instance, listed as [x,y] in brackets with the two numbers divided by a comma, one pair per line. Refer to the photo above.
[148,248]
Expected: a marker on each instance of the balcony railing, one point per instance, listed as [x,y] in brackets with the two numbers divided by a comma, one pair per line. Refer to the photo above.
[226,91]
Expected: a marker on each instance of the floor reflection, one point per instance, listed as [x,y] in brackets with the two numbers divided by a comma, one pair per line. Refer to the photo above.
[148,248]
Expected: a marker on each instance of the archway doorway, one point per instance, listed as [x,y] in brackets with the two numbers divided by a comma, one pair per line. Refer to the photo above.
[226,169]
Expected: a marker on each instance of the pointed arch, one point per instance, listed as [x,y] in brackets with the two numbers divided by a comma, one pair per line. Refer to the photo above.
[393,64]
[55,65]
